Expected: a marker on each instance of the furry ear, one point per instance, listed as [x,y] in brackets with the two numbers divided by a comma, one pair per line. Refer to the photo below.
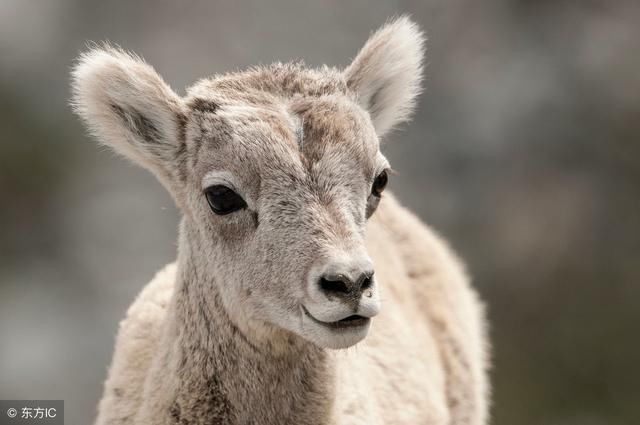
[386,73]
[128,107]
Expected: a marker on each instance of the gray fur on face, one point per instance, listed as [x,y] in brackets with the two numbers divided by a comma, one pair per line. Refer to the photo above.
[306,202]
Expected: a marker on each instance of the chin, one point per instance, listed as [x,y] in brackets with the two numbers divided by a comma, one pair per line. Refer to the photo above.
[335,335]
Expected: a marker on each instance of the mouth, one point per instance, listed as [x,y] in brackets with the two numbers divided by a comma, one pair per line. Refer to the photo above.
[353,321]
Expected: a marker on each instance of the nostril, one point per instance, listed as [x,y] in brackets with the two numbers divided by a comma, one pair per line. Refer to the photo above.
[365,280]
[366,283]
[341,284]
[334,286]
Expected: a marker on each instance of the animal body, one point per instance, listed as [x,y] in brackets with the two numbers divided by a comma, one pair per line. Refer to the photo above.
[301,294]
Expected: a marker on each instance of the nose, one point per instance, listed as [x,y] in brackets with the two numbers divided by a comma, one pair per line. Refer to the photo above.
[346,282]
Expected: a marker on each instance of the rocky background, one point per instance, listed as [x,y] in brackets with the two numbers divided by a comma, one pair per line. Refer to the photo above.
[524,153]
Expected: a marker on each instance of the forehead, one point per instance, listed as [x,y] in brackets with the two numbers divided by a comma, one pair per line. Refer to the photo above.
[288,120]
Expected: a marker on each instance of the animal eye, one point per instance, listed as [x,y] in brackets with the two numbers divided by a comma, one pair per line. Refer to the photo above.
[379,184]
[223,200]
[376,192]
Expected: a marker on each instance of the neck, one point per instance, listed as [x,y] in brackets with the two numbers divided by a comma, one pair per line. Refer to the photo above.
[224,374]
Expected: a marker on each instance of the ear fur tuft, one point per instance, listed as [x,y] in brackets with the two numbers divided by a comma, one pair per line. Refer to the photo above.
[128,107]
[387,72]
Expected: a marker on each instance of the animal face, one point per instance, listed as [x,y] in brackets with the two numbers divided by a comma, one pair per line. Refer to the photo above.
[276,171]
[279,193]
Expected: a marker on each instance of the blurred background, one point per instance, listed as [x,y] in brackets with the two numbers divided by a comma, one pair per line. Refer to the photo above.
[524,153]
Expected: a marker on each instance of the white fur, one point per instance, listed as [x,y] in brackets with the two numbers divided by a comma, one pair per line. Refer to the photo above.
[387,73]
[111,77]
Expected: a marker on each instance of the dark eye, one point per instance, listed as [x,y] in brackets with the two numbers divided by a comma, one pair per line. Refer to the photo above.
[379,184]
[376,192]
[223,200]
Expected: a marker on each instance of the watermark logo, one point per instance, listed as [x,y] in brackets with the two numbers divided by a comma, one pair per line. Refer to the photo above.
[35,412]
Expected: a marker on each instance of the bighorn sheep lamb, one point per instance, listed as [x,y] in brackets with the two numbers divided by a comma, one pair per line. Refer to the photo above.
[279,177]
